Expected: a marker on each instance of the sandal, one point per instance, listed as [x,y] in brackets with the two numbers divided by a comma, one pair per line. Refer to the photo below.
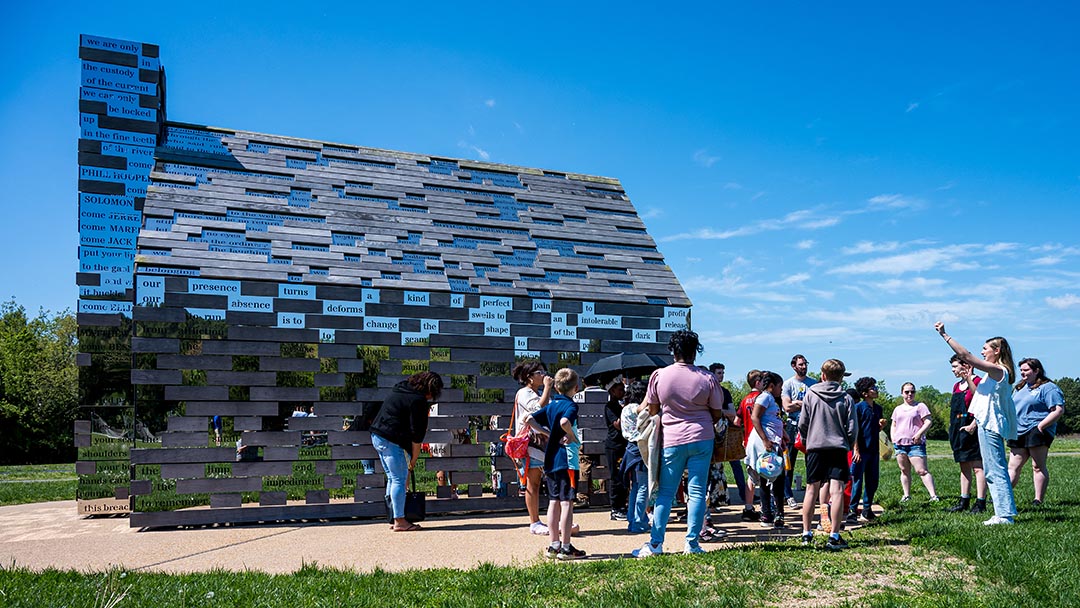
[411,528]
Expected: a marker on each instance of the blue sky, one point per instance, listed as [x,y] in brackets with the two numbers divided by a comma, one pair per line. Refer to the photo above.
[827,181]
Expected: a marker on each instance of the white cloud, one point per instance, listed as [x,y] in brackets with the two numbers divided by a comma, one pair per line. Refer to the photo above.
[807,244]
[483,154]
[911,107]
[517,125]
[920,284]
[489,103]
[1000,247]
[795,279]
[693,260]
[650,213]
[948,186]
[916,261]
[704,159]
[1068,300]
[803,219]
[732,186]
[790,336]
[870,247]
[911,315]
[1047,260]
[895,201]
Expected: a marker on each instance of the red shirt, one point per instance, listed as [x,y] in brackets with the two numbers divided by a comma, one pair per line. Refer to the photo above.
[746,408]
[968,393]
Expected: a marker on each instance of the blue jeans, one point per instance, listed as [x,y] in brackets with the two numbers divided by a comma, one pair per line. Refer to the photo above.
[992,447]
[396,464]
[694,459]
[637,518]
[739,476]
[865,474]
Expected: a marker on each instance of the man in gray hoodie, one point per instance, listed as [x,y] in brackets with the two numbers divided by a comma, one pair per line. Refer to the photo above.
[829,428]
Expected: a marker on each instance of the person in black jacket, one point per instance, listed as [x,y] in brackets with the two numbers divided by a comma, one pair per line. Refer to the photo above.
[397,432]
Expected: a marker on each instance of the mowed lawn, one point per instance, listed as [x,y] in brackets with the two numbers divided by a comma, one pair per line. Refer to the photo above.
[917,555]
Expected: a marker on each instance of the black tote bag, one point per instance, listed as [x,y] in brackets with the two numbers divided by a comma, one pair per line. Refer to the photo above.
[415,509]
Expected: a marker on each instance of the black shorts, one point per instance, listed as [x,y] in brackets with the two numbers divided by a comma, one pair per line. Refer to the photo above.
[1032,439]
[965,446]
[561,486]
[823,465]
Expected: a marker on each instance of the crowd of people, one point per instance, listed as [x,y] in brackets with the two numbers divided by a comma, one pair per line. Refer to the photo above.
[669,437]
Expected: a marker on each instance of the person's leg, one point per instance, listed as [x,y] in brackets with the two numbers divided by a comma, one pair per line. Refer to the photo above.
[980,479]
[697,468]
[533,478]
[396,465]
[554,516]
[765,494]
[1017,461]
[1039,470]
[905,473]
[919,463]
[739,477]
[858,469]
[809,504]
[639,496]
[616,489]
[778,486]
[566,520]
[966,471]
[672,465]
[997,474]
[789,464]
[871,477]
[836,509]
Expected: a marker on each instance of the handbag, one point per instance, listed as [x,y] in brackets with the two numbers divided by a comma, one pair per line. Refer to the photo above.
[885,446]
[415,508]
[730,447]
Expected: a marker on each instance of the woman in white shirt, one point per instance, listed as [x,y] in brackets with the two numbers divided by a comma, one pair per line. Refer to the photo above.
[995,416]
[533,395]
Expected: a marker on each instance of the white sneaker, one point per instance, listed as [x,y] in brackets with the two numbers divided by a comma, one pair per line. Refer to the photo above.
[695,548]
[647,550]
[995,520]
[538,528]
[792,503]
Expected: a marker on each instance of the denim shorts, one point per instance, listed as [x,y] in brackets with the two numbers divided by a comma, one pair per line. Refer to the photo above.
[917,450]
[533,464]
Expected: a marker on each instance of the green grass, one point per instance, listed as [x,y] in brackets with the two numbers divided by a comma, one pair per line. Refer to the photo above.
[916,555]
[1062,444]
[37,471]
[20,484]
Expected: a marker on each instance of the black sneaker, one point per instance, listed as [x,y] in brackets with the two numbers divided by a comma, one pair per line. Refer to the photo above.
[618,516]
[867,515]
[836,544]
[1036,503]
[778,522]
[852,518]
[570,552]
[806,539]
[766,522]
[749,515]
[551,552]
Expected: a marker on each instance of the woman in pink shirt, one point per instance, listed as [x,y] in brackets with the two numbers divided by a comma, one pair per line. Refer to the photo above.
[910,421]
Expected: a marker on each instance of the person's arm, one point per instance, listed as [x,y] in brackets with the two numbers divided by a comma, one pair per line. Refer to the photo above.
[994,370]
[536,426]
[756,415]
[927,422]
[1056,400]
[415,455]
[546,395]
[568,428]
[790,405]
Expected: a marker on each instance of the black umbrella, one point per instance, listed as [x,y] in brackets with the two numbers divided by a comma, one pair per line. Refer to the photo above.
[627,364]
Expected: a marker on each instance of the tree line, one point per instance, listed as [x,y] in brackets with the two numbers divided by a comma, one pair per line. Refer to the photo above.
[39,389]
[940,402]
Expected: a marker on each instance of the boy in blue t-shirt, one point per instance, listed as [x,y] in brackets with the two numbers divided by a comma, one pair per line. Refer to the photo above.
[558,421]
